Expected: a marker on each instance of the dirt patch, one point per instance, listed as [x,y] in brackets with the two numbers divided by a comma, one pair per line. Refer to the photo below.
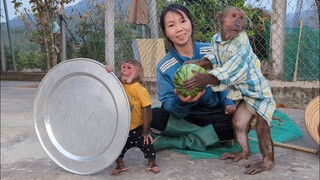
[302,84]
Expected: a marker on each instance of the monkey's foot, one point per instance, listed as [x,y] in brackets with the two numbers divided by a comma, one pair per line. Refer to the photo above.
[258,167]
[119,170]
[235,156]
[152,168]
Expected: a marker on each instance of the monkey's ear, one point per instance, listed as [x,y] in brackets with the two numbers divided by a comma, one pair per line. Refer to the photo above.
[248,22]
[219,16]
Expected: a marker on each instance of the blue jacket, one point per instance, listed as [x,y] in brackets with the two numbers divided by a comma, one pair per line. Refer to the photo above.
[166,69]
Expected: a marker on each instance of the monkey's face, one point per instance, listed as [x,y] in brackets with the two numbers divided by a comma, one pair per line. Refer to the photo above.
[178,28]
[233,24]
[129,73]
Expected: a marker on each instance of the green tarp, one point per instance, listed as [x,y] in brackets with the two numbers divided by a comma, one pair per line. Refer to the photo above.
[202,142]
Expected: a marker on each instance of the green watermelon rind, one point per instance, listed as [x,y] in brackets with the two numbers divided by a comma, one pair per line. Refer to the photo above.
[183,74]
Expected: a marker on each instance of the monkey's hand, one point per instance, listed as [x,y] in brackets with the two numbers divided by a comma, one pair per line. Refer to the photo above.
[204,62]
[189,99]
[192,62]
[230,109]
[147,139]
[108,68]
[200,79]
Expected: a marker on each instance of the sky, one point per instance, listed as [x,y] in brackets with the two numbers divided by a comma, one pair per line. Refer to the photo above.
[11,10]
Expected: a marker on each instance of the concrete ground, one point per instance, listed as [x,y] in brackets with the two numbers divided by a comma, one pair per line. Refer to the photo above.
[22,156]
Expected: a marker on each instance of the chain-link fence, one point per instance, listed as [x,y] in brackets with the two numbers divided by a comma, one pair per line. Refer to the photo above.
[283,34]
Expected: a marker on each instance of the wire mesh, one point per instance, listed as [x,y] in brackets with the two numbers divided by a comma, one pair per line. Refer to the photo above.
[285,38]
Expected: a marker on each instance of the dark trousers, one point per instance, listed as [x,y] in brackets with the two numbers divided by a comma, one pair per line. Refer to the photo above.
[220,121]
[135,139]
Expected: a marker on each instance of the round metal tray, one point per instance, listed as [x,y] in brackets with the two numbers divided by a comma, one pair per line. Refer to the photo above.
[81,116]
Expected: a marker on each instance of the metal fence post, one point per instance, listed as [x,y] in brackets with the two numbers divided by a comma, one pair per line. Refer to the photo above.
[3,57]
[9,36]
[277,37]
[63,40]
[109,33]
[153,19]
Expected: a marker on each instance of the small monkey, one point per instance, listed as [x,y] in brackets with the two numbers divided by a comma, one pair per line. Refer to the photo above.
[131,74]
[232,64]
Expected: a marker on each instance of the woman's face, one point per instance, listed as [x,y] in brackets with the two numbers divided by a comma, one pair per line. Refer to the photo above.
[178,28]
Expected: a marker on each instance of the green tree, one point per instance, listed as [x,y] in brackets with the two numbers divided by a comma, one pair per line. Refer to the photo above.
[86,32]
[25,59]
[46,13]
[204,17]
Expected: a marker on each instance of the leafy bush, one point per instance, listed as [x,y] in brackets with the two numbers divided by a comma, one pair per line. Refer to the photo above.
[25,59]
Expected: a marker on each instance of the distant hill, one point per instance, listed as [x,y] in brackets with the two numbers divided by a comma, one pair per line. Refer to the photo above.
[310,19]
[18,31]
[16,22]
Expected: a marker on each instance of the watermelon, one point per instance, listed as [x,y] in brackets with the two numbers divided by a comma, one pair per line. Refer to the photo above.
[184,73]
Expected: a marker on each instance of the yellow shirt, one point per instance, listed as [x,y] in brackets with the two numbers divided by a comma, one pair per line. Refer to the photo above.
[138,97]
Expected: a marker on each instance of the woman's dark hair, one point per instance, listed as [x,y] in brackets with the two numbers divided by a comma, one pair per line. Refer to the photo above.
[177,8]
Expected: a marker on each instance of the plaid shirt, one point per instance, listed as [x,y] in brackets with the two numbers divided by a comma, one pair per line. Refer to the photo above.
[237,67]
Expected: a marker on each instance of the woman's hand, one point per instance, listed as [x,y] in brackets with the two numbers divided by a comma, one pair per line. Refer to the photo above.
[189,99]
[230,109]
